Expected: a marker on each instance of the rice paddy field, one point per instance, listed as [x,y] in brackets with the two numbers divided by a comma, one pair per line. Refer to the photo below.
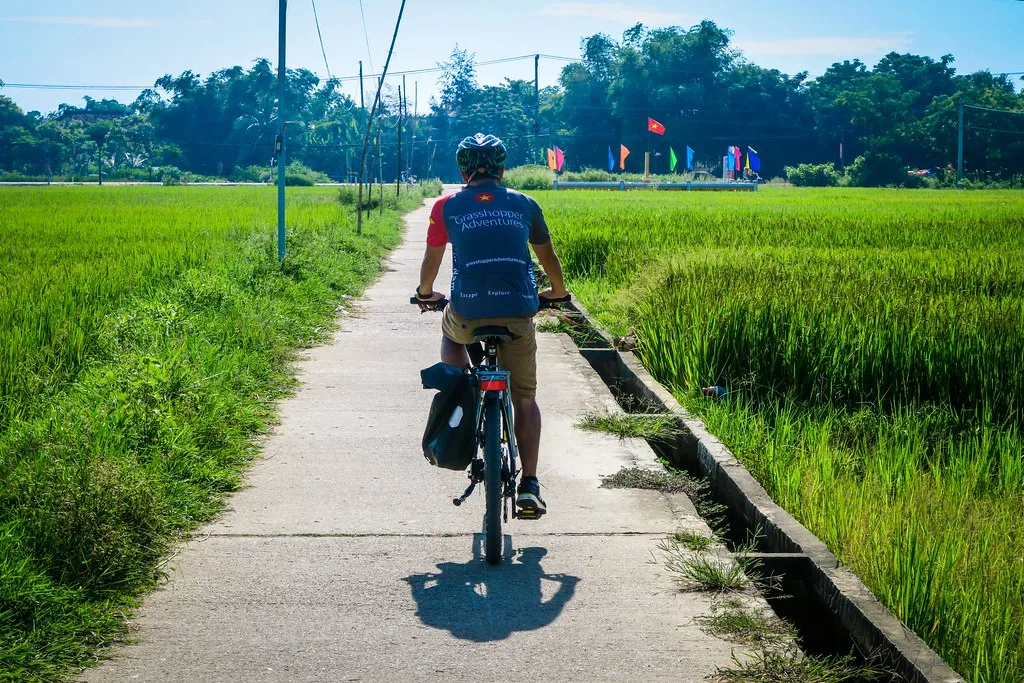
[144,335]
[872,344]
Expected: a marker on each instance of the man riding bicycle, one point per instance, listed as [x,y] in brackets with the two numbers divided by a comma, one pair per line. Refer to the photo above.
[493,283]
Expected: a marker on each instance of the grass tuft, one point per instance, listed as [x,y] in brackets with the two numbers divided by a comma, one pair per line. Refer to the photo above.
[657,480]
[747,626]
[626,426]
[694,540]
[698,571]
[771,666]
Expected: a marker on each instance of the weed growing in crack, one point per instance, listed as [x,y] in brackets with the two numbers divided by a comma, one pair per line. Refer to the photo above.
[769,666]
[653,427]
[733,621]
[694,540]
[716,573]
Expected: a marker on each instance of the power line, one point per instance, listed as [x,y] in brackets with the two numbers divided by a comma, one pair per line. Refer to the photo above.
[320,36]
[998,111]
[390,74]
[49,86]
[366,35]
[997,130]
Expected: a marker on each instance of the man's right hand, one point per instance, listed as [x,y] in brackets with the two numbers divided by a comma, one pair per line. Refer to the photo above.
[426,302]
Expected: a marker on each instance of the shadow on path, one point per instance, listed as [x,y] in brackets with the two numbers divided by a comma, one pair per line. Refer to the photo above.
[478,602]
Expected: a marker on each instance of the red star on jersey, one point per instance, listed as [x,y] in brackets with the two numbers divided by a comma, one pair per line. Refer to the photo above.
[485,197]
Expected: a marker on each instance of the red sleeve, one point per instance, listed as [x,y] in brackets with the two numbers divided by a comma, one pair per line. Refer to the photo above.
[437,231]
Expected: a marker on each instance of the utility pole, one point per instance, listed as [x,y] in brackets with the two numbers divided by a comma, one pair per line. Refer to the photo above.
[282,118]
[960,146]
[401,110]
[362,106]
[415,114]
[380,166]
[842,161]
[536,99]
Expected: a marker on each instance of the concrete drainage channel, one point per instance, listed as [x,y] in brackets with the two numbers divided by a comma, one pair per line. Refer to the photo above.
[832,610]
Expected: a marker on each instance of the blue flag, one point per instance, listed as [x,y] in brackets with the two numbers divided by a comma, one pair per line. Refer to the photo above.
[689,159]
[753,161]
[611,160]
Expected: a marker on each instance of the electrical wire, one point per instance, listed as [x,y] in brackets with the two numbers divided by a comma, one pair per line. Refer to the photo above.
[320,36]
[366,35]
[997,130]
[998,111]
[48,86]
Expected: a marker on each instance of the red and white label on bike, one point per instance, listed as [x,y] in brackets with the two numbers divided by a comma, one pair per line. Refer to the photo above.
[493,385]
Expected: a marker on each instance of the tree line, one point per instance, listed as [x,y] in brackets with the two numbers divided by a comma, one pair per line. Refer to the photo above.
[900,114]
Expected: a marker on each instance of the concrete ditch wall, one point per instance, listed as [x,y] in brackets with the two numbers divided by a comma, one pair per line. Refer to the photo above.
[787,546]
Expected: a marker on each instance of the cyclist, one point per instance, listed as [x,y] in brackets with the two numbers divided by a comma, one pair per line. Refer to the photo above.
[493,283]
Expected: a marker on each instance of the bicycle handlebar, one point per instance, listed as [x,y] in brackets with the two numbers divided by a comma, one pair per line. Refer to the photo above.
[441,304]
[553,303]
[438,305]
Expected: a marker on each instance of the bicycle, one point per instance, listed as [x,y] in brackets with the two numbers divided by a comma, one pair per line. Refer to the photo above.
[498,469]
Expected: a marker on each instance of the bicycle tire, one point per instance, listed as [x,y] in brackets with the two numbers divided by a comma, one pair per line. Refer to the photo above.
[492,481]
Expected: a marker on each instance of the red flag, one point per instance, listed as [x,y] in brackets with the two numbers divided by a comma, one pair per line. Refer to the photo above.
[655,127]
[559,159]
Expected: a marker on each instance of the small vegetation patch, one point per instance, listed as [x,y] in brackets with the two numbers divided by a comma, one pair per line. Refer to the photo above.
[664,481]
[770,666]
[734,622]
[555,325]
[624,426]
[694,540]
[714,573]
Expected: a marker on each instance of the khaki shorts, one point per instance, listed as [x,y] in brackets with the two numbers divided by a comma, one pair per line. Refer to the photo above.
[517,355]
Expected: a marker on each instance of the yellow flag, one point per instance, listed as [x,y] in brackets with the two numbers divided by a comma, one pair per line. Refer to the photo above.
[552,163]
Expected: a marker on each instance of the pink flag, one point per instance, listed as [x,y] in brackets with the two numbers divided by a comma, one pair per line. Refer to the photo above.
[559,159]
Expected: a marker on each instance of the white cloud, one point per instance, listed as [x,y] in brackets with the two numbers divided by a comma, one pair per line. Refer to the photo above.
[103,22]
[620,12]
[844,46]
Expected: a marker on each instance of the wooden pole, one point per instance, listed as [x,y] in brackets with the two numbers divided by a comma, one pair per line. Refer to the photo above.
[398,168]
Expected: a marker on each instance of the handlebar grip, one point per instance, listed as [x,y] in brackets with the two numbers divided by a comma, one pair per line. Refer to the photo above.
[550,303]
[438,305]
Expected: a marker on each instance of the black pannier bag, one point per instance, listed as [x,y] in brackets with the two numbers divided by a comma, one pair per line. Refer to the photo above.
[449,440]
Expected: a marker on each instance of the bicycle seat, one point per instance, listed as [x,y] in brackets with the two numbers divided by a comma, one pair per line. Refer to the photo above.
[496,331]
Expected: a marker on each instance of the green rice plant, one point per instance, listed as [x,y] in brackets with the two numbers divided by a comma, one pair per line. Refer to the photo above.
[872,342]
[145,334]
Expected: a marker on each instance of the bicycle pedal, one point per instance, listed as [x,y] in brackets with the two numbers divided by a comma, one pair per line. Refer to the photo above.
[530,514]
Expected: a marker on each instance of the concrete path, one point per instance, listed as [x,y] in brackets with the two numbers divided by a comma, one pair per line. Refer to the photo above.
[344,559]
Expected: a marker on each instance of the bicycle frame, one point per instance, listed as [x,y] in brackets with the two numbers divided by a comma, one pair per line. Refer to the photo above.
[494,387]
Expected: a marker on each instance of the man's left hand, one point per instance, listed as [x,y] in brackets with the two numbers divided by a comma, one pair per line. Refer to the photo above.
[550,293]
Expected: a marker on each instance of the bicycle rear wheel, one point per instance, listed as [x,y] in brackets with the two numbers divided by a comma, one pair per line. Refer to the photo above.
[492,480]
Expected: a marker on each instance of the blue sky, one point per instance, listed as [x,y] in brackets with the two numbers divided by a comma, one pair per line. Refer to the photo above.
[134,42]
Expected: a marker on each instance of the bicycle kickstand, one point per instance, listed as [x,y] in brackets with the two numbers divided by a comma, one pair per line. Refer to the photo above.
[465,494]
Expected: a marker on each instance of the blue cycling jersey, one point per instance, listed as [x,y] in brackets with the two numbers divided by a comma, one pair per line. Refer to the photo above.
[490,229]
